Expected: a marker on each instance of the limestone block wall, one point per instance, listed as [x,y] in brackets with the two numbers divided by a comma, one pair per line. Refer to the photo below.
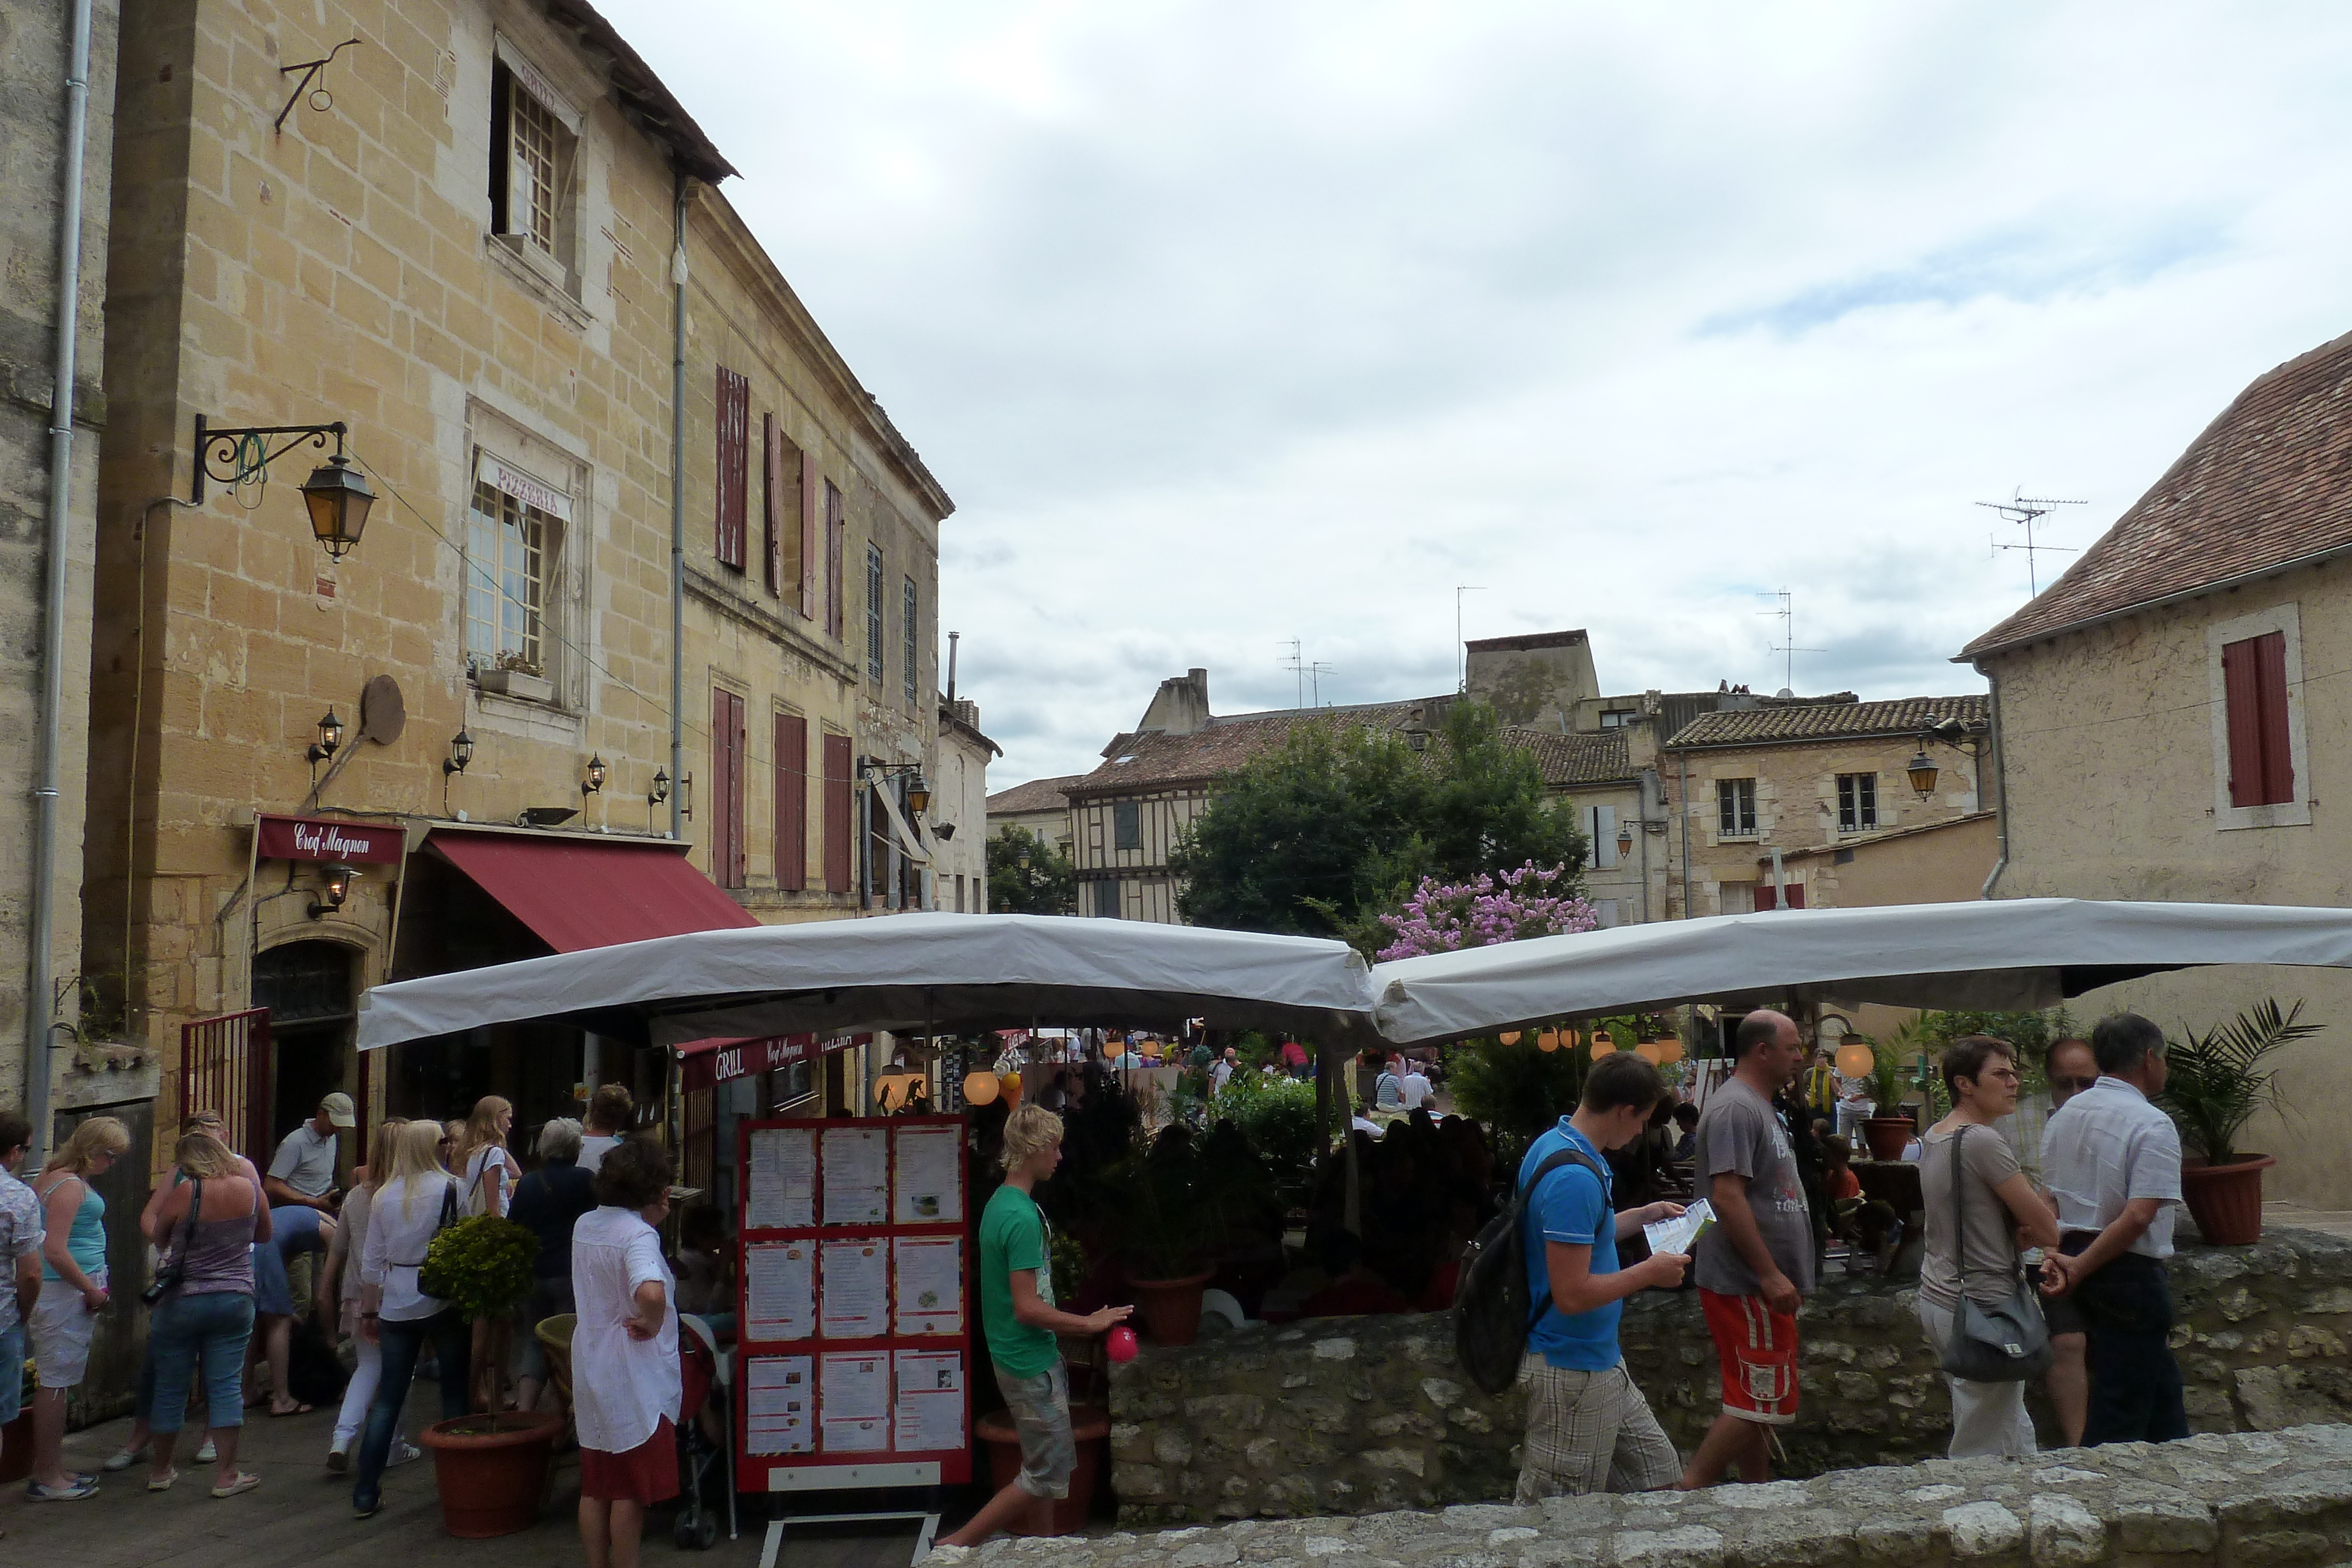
[2283,1499]
[1359,1415]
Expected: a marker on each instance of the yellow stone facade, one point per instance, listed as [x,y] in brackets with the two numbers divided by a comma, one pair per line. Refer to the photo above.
[350,267]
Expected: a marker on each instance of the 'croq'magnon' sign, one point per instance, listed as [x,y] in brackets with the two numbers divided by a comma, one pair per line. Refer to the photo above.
[322,838]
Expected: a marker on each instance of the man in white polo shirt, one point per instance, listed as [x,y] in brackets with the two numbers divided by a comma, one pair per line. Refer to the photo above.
[2113,1162]
[303,1173]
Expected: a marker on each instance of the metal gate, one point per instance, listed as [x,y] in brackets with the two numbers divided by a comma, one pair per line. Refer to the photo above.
[224,1067]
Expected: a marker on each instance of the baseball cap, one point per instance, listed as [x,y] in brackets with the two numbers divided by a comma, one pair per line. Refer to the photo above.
[338,1108]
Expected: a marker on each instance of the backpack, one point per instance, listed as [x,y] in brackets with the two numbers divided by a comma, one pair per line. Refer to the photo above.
[1492,1313]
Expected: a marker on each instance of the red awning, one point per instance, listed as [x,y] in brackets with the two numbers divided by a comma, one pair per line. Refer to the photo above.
[703,1063]
[577,894]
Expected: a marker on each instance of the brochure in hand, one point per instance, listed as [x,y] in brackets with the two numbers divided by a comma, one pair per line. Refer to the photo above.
[1680,1235]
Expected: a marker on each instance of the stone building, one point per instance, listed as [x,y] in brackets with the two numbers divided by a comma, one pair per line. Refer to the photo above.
[960,824]
[2174,717]
[1749,788]
[471,259]
[1041,806]
[41,653]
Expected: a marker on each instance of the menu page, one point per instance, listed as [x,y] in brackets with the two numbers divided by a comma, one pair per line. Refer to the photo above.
[781,1284]
[782,1195]
[928,1413]
[930,1176]
[930,1283]
[856,1176]
[855,1414]
[779,1417]
[856,1299]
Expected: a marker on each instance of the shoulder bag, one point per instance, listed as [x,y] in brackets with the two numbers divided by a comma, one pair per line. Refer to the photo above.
[169,1275]
[428,1281]
[2007,1343]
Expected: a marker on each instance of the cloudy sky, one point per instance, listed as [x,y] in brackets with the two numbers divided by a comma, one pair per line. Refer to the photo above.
[1230,323]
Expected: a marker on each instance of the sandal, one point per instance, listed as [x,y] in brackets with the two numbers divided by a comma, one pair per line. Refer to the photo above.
[278,1415]
[245,1480]
[163,1482]
[123,1458]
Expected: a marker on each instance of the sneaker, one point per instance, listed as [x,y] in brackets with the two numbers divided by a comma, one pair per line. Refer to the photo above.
[209,1453]
[339,1460]
[82,1486]
[368,1510]
[123,1458]
[403,1450]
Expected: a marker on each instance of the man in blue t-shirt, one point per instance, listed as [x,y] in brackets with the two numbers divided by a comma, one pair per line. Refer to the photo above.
[1589,1428]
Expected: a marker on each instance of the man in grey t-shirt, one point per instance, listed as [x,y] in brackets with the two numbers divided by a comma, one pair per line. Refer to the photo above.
[1754,1265]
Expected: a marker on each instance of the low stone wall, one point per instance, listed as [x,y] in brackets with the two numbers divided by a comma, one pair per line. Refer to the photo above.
[2254,1500]
[1347,1416]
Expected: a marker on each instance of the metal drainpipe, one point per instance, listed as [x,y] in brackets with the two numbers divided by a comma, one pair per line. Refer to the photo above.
[1682,764]
[2000,783]
[678,521]
[39,996]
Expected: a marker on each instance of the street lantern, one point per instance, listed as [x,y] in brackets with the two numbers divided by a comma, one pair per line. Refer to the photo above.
[596,780]
[918,795]
[660,791]
[339,499]
[1855,1059]
[1922,772]
[461,752]
[338,888]
[330,735]
[1625,838]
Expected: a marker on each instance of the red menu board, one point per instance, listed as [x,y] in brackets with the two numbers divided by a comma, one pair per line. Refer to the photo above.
[855,1327]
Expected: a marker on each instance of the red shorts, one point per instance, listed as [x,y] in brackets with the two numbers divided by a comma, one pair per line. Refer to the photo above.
[646,1473]
[1758,1348]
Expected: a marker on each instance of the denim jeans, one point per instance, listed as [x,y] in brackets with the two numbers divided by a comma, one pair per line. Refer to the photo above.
[403,1341]
[12,1364]
[209,1329]
[2135,1394]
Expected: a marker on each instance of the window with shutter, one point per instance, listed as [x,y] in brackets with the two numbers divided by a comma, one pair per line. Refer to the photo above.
[734,427]
[839,833]
[1735,807]
[875,641]
[2261,762]
[771,504]
[911,637]
[837,528]
[1857,802]
[809,546]
[1126,824]
[1601,833]
[790,767]
[1789,895]
[727,776]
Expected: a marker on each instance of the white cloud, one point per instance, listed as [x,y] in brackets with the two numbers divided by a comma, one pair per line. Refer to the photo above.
[1228,323]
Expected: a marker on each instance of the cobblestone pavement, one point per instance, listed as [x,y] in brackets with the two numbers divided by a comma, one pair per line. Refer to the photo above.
[300,1517]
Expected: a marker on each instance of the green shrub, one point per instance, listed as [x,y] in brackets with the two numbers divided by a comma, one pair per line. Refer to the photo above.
[1277,1114]
[481,1266]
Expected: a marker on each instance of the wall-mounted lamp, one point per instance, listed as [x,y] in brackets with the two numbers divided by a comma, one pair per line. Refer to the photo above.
[1967,739]
[461,752]
[660,791]
[918,790]
[336,496]
[337,888]
[596,780]
[1625,838]
[330,735]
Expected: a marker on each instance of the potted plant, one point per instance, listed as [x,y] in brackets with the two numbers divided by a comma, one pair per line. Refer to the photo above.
[2215,1083]
[1888,1130]
[1168,1226]
[489,1469]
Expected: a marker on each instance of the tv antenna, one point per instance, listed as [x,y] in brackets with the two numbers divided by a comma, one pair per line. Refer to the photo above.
[2027,509]
[1297,666]
[1787,647]
[1461,649]
[1315,674]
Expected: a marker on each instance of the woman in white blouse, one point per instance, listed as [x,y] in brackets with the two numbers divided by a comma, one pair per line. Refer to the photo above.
[625,1380]
[405,1211]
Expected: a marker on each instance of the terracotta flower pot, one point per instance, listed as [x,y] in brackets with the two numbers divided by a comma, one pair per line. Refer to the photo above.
[1090,1424]
[1172,1308]
[1887,1136]
[491,1471]
[2226,1201]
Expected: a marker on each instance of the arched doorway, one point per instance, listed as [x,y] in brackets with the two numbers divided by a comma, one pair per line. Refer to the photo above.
[310,989]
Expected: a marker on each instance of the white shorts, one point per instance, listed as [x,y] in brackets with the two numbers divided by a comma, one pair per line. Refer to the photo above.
[61,1332]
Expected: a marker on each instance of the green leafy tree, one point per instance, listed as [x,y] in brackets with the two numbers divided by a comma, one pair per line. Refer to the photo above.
[1321,837]
[1028,876]
[1517,1089]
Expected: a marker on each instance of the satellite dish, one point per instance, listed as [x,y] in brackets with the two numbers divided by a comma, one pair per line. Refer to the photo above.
[383,712]
[1784,692]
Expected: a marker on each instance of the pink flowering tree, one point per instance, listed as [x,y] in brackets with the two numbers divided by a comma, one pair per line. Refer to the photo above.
[1442,917]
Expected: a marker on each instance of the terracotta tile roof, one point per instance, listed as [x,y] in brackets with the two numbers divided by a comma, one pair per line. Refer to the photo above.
[1154,760]
[1037,795]
[1827,721]
[1864,842]
[2263,486]
[1597,757]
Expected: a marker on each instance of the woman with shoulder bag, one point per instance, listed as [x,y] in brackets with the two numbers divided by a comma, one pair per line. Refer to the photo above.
[1975,1301]
[208,1225]
[403,1215]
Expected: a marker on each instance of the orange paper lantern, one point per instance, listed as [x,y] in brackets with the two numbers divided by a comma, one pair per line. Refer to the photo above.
[1510,1037]
[980,1088]
[1548,1040]
[1648,1051]
[1603,1045]
[1670,1050]
[1855,1060]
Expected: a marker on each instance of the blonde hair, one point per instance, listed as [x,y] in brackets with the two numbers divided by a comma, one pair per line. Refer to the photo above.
[387,1132]
[416,1155]
[1029,1129]
[481,1131]
[99,1135]
[203,1155]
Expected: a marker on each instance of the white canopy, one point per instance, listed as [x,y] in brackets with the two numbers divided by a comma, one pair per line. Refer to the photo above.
[905,972]
[2008,955]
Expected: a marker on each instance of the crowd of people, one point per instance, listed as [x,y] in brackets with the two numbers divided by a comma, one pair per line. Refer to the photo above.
[239,1249]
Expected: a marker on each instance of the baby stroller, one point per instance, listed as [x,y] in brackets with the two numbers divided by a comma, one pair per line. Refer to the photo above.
[703,1368]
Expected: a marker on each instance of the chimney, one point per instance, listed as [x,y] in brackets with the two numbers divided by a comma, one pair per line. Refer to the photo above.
[1181,706]
[952,663]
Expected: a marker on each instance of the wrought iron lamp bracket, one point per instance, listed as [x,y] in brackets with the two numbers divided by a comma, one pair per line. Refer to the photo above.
[228,455]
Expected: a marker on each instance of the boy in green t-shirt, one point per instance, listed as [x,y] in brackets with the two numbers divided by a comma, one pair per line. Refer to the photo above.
[1016,1309]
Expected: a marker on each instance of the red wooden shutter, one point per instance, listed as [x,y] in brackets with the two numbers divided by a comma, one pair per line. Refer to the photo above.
[772,499]
[792,801]
[2253,684]
[808,537]
[837,529]
[838,831]
[734,423]
[726,786]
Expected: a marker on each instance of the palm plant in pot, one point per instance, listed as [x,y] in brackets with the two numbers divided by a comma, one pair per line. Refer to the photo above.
[1888,1130]
[490,1469]
[1169,1230]
[2215,1082]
